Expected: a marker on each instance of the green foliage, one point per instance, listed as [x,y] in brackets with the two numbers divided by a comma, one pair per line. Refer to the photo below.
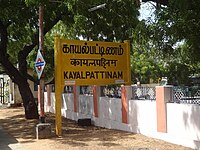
[17,14]
[178,73]
[174,39]
[22,21]
[167,47]
[116,22]
[180,21]
[146,64]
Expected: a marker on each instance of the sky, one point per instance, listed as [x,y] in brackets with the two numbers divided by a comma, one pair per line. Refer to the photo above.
[146,10]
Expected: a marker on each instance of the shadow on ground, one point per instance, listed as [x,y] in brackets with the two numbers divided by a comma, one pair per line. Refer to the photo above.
[6,140]
[72,134]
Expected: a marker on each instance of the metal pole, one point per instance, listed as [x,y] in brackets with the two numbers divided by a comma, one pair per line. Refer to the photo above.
[97,7]
[41,47]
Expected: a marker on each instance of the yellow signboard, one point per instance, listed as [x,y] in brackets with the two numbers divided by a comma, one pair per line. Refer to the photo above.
[88,63]
[93,63]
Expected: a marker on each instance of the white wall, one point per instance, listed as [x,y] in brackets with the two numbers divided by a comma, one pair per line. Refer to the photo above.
[85,106]
[110,115]
[183,123]
[183,120]
[52,108]
[142,116]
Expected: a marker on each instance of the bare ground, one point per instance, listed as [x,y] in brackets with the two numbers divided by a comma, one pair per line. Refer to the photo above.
[74,136]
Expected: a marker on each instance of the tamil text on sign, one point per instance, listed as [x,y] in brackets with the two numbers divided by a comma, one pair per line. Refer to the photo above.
[93,62]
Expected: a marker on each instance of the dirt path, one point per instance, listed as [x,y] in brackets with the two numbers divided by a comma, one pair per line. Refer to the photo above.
[74,137]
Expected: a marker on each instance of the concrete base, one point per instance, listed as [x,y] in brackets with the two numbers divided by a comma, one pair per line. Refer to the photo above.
[43,130]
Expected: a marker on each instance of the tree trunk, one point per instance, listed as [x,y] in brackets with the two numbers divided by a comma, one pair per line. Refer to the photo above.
[19,75]
[31,110]
[30,106]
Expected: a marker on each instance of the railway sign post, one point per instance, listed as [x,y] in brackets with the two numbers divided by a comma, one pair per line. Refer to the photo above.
[39,64]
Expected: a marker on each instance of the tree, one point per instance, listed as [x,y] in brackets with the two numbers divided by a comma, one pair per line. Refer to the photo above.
[116,22]
[19,32]
[146,62]
[168,44]
[174,35]
[179,23]
[19,35]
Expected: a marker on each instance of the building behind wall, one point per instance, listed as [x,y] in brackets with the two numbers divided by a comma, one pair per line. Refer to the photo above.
[11,94]
[4,89]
